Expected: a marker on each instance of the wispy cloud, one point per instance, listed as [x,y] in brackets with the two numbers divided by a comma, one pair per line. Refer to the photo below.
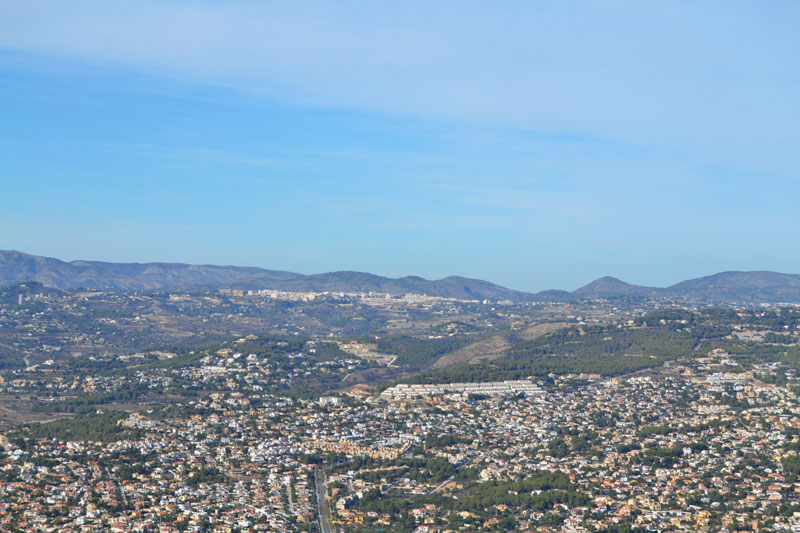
[710,77]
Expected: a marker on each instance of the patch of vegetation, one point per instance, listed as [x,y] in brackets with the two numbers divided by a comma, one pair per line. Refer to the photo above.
[97,427]
[604,350]
[86,403]
[415,351]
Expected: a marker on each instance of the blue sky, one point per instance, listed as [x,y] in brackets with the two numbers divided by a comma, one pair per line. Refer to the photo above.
[536,145]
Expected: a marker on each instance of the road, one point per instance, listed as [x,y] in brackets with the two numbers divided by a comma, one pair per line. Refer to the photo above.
[442,484]
[119,486]
[323,507]
[290,498]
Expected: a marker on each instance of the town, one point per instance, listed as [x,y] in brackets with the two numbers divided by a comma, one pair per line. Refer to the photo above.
[676,419]
[667,450]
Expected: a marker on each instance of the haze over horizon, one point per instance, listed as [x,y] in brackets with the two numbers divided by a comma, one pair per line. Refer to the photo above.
[515,143]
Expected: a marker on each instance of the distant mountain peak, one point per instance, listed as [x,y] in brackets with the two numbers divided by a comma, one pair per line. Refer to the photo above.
[605,279]
[747,287]
[610,286]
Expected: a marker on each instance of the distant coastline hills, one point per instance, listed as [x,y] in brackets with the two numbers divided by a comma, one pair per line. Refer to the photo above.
[726,287]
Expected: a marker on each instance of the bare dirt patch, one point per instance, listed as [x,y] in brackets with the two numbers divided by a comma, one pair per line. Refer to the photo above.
[537,330]
[485,350]
[493,347]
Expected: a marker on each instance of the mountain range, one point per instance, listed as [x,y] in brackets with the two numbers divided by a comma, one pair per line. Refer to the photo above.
[17,267]
[449,287]
[752,287]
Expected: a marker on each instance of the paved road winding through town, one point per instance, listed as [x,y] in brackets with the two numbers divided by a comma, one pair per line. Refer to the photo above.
[323,508]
